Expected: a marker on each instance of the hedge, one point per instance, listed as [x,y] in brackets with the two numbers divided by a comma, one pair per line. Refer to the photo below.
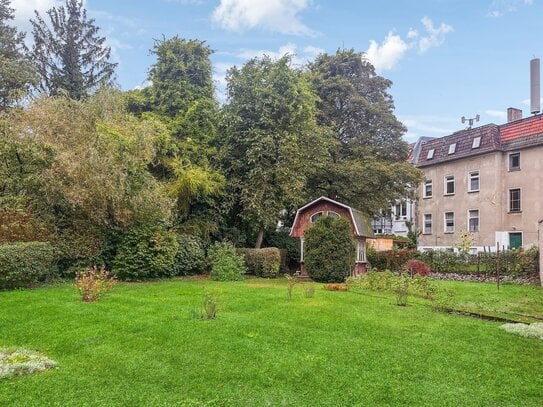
[262,262]
[25,264]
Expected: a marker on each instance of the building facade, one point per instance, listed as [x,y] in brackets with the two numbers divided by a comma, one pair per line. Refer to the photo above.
[485,181]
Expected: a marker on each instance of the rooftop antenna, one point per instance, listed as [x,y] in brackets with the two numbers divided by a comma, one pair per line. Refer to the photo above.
[470,121]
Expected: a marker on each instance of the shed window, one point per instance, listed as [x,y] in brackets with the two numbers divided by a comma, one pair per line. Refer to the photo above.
[315,216]
[333,214]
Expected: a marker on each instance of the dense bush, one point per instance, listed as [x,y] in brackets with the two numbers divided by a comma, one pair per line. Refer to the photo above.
[393,260]
[146,252]
[329,250]
[226,263]
[24,264]
[190,257]
[417,267]
[262,262]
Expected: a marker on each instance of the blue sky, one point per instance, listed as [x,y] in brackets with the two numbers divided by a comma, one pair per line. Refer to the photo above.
[446,58]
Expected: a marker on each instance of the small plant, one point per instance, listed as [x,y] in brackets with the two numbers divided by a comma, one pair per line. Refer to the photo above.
[309,291]
[291,282]
[417,267]
[336,287]
[209,307]
[93,283]
[14,362]
[400,287]
[443,300]
[424,287]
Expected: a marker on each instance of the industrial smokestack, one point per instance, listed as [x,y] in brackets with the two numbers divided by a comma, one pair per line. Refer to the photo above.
[535,96]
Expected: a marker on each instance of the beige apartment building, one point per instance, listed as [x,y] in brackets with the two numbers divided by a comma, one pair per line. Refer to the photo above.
[487,181]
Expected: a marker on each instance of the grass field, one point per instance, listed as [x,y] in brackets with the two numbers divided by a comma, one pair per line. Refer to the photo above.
[141,346]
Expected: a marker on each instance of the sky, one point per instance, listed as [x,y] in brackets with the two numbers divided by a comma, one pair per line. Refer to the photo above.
[446,58]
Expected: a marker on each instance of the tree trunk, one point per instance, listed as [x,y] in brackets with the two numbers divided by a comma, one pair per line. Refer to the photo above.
[259,237]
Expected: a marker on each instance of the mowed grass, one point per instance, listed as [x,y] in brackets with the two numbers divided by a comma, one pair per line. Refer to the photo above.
[140,347]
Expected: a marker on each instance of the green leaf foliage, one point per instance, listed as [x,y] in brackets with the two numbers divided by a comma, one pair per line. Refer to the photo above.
[146,252]
[190,257]
[25,264]
[329,250]
[262,262]
[226,263]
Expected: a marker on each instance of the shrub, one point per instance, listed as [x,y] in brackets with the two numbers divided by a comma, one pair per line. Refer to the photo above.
[417,267]
[146,252]
[329,250]
[393,260]
[25,264]
[226,263]
[281,239]
[190,257]
[93,283]
[400,287]
[262,262]
[209,307]
[291,282]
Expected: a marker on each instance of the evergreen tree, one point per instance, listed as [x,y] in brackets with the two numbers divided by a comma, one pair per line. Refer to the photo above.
[70,56]
[17,73]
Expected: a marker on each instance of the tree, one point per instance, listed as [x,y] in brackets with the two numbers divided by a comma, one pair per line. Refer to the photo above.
[71,57]
[17,74]
[181,96]
[271,141]
[367,166]
[330,250]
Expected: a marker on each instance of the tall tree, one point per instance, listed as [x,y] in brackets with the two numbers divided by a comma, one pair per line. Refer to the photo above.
[181,95]
[271,141]
[367,166]
[17,74]
[70,55]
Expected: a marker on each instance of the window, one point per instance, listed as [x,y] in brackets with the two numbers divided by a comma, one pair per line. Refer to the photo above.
[315,216]
[476,142]
[473,220]
[361,255]
[430,154]
[449,185]
[514,161]
[473,181]
[449,222]
[401,210]
[427,188]
[452,148]
[514,200]
[333,214]
[427,223]
[515,240]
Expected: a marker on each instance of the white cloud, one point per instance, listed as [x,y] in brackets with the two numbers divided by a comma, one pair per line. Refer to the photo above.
[499,8]
[143,85]
[435,36]
[24,11]
[386,55]
[428,125]
[274,15]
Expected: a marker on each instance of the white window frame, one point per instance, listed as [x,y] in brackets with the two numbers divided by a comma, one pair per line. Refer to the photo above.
[361,252]
[446,181]
[452,148]
[473,217]
[472,175]
[430,154]
[445,226]
[476,142]
[424,192]
[424,219]
[321,213]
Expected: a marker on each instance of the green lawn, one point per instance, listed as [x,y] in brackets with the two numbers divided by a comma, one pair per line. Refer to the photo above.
[140,347]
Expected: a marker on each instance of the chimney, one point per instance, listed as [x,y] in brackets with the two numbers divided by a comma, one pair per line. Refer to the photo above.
[535,96]
[513,114]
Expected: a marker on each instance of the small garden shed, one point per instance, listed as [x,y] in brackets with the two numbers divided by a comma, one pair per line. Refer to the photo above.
[323,206]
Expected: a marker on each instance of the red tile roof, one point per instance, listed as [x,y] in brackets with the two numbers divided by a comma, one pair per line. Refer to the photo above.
[532,126]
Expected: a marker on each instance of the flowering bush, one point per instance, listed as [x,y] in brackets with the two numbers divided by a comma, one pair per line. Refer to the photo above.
[92,283]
